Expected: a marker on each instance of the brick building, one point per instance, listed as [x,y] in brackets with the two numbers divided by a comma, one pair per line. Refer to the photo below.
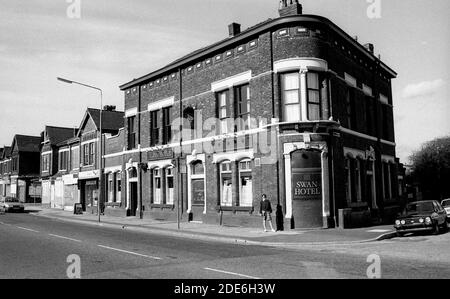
[23,168]
[293,107]
[53,159]
[5,171]
[88,171]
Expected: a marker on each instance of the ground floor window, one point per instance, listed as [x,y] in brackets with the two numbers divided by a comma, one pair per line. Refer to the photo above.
[169,185]
[119,187]
[226,186]
[245,184]
[157,186]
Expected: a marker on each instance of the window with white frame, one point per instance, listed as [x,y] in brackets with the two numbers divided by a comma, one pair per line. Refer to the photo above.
[110,186]
[224,111]
[290,97]
[226,186]
[157,186]
[245,184]
[75,157]
[45,163]
[169,186]
[63,160]
[118,187]
[317,93]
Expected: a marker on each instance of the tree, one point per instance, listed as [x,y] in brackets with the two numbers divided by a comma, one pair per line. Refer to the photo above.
[431,169]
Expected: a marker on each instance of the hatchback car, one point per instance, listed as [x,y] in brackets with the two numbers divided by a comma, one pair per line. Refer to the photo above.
[11,204]
[446,205]
[422,216]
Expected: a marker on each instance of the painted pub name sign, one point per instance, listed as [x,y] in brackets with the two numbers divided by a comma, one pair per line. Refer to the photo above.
[307,186]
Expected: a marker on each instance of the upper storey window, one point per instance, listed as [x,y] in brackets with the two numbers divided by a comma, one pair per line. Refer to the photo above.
[303,96]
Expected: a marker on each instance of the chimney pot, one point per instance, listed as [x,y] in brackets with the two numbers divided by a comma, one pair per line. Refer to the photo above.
[290,8]
[369,47]
[234,29]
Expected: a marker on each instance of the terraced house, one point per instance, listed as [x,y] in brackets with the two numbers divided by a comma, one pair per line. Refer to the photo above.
[22,176]
[54,158]
[293,107]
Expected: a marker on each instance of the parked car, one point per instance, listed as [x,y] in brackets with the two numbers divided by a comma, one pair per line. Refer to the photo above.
[10,204]
[422,216]
[446,205]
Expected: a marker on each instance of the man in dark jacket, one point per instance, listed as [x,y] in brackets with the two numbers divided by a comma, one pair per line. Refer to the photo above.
[265,211]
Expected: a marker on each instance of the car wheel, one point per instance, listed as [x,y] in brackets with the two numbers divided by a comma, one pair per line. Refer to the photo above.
[400,234]
[436,229]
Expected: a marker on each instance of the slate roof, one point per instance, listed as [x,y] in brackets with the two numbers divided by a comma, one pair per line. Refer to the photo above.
[6,152]
[59,134]
[111,120]
[28,143]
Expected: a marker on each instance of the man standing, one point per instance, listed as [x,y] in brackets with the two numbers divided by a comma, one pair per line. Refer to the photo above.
[265,211]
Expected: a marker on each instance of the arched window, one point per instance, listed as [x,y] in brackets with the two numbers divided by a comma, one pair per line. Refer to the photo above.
[157,186]
[169,185]
[245,183]
[189,123]
[226,187]
[197,168]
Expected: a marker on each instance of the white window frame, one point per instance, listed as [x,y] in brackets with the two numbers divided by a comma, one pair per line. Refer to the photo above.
[247,171]
[230,171]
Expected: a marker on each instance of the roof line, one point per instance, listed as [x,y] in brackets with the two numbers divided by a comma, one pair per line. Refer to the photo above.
[248,33]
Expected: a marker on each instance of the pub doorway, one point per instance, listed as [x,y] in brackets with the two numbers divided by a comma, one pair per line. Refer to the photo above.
[306,169]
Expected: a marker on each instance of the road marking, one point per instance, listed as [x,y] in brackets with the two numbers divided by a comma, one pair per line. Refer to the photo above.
[65,238]
[232,273]
[28,229]
[379,231]
[130,252]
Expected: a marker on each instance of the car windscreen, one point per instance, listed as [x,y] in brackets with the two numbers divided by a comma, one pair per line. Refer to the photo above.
[446,203]
[420,207]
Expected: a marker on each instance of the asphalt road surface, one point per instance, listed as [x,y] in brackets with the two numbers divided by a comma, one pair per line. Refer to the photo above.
[37,247]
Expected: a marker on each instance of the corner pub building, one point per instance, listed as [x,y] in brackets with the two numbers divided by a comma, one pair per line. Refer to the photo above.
[314,129]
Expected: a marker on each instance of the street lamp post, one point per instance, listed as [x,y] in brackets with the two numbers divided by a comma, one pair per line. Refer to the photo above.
[100,159]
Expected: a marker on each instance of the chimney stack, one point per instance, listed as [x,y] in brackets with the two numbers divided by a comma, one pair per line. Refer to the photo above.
[109,108]
[290,8]
[369,47]
[234,29]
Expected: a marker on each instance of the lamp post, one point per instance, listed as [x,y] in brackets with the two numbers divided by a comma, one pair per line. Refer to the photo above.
[100,159]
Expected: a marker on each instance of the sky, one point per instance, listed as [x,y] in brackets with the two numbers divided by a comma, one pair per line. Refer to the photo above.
[109,42]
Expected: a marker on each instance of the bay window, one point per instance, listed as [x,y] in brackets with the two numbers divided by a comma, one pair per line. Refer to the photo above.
[290,97]
[303,91]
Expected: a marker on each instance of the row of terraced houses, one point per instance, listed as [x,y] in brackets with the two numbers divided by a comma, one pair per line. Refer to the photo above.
[293,107]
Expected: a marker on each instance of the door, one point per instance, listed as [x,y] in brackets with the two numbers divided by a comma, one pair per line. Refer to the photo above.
[198,199]
[133,198]
[306,189]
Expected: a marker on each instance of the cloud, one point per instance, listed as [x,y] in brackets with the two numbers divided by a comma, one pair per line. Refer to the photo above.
[422,89]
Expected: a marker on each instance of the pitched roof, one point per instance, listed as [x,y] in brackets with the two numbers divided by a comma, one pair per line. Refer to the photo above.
[111,120]
[6,152]
[27,143]
[59,134]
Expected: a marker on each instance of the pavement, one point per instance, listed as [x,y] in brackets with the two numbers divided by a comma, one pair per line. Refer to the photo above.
[239,235]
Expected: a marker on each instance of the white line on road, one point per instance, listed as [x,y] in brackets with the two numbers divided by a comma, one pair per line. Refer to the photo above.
[130,252]
[65,238]
[232,273]
[28,229]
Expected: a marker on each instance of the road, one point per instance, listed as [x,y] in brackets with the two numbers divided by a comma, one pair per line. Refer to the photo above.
[37,247]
